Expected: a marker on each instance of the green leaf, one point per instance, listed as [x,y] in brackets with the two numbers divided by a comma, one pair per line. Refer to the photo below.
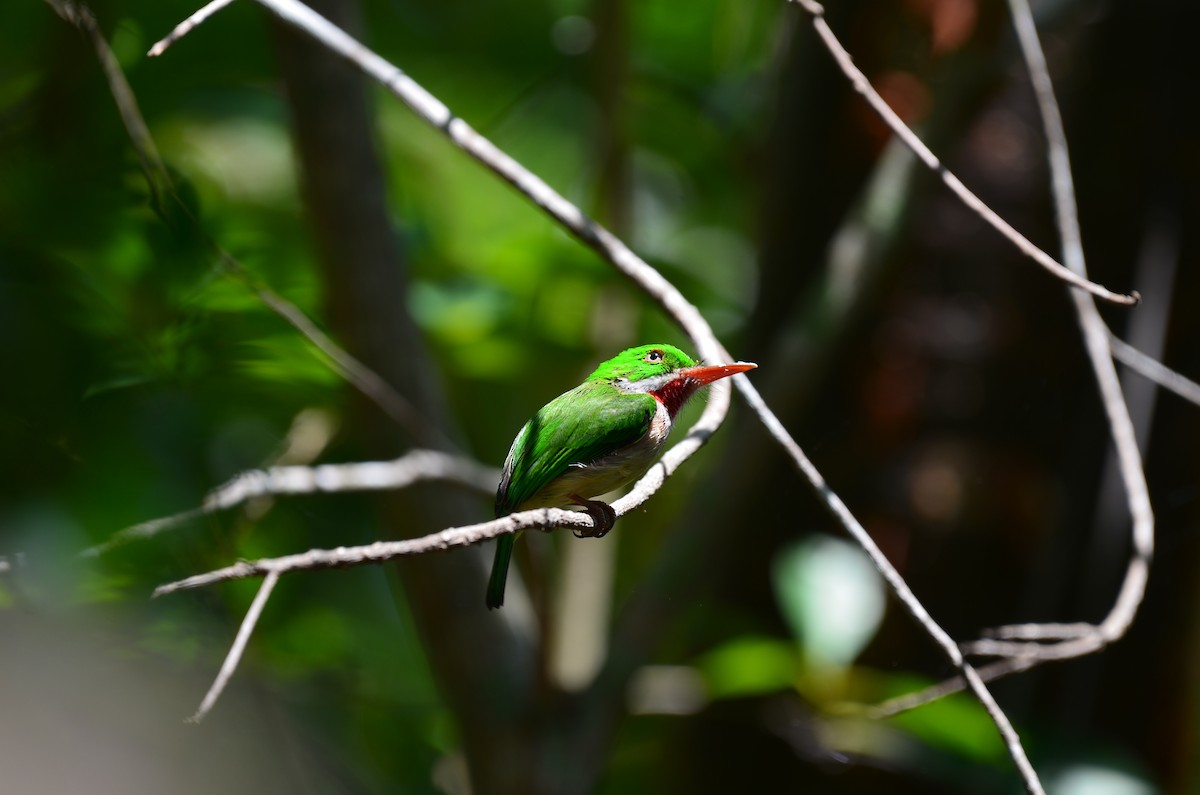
[832,598]
[956,723]
[750,666]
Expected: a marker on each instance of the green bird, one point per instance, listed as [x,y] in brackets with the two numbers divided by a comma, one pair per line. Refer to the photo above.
[599,436]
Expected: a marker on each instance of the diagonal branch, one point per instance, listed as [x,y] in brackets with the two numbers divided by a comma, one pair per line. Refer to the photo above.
[357,374]
[157,178]
[238,648]
[899,587]
[988,673]
[1097,341]
[1024,646]
[1096,338]
[863,86]
[185,27]
[1155,370]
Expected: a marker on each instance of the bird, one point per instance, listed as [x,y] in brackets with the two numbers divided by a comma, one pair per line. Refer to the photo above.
[595,438]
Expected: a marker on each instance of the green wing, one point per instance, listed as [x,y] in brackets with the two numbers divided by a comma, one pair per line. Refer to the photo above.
[578,427]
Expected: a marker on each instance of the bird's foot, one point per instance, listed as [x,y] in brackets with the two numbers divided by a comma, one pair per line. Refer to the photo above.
[602,514]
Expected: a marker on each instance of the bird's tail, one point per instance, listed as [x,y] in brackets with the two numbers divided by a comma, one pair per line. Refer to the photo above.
[495,588]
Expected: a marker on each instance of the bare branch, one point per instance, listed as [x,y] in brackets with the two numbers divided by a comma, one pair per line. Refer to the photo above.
[239,646]
[185,27]
[907,598]
[1027,645]
[897,125]
[1155,370]
[544,519]
[955,684]
[1041,631]
[1096,339]
[1014,658]
[1043,648]
[412,467]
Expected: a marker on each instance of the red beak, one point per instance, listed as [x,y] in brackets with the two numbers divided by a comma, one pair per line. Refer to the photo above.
[706,374]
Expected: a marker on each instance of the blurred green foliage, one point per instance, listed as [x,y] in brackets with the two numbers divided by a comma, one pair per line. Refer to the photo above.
[140,374]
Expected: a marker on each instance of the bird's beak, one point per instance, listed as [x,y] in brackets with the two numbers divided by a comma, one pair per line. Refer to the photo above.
[706,374]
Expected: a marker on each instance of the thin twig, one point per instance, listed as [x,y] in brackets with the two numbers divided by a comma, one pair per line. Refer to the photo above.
[413,467]
[1029,645]
[157,177]
[544,519]
[863,86]
[1155,370]
[239,646]
[185,27]
[907,598]
[366,380]
[1096,339]
[909,701]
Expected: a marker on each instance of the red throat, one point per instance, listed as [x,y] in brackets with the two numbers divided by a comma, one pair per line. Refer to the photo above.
[676,392]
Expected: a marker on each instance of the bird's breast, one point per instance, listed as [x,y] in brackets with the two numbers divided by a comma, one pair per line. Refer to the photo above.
[610,472]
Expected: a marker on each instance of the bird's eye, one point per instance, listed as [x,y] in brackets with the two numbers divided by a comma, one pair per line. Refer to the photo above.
[654,356]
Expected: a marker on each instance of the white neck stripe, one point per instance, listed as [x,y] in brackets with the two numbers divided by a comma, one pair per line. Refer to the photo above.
[645,385]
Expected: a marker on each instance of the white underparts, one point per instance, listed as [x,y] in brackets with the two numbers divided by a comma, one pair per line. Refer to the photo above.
[660,426]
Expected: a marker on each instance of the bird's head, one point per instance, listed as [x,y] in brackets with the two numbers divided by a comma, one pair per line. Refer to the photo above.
[664,371]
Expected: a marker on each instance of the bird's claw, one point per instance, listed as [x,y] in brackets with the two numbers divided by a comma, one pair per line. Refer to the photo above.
[603,516]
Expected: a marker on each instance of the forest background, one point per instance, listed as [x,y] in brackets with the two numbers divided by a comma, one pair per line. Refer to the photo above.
[936,377]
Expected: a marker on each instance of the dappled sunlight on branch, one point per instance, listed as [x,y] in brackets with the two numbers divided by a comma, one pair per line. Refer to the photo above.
[412,467]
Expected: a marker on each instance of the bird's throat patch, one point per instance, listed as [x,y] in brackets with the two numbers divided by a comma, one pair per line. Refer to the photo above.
[675,393]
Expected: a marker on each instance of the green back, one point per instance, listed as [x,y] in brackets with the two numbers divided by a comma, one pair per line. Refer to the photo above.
[580,426]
